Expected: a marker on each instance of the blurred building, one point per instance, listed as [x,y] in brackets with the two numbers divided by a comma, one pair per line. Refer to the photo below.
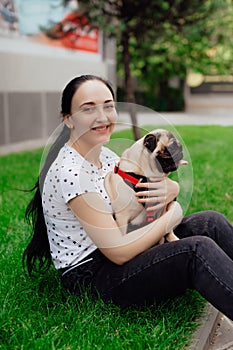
[43,45]
[209,91]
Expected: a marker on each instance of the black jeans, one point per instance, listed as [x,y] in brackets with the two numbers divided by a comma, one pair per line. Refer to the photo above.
[202,259]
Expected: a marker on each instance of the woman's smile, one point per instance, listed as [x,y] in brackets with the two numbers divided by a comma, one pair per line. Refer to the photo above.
[101,128]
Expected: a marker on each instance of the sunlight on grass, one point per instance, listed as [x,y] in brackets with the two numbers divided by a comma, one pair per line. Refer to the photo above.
[39,314]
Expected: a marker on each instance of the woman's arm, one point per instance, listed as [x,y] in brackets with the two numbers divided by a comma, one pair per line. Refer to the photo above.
[99,224]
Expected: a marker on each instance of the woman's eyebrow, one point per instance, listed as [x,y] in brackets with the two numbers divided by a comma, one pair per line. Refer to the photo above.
[87,103]
[91,103]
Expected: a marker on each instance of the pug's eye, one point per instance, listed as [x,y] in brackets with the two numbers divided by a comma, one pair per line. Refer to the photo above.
[150,142]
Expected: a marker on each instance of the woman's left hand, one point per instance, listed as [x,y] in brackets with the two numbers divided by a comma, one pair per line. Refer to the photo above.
[158,192]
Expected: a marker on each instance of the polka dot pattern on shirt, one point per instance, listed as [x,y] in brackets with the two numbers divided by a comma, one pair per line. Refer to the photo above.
[69,176]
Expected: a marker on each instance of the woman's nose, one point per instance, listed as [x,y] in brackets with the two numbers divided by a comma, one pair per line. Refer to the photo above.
[101,113]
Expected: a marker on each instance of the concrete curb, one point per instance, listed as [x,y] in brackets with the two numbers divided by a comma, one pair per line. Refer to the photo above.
[205,331]
[228,346]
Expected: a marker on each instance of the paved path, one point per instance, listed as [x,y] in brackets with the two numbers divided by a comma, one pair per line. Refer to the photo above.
[198,117]
[222,117]
[223,335]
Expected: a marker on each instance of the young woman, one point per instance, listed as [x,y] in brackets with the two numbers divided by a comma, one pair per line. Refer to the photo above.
[74,228]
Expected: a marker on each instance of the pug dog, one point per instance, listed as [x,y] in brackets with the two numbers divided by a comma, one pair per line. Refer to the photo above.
[156,154]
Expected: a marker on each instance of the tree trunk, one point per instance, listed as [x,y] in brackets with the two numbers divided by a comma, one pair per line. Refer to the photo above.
[130,96]
[163,95]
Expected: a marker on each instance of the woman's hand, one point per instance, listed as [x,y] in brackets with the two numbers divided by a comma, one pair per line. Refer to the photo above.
[160,191]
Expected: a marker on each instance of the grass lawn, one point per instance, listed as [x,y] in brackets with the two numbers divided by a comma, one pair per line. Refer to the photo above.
[38,314]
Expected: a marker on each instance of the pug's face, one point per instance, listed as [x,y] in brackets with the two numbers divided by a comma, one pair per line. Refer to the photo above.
[165,149]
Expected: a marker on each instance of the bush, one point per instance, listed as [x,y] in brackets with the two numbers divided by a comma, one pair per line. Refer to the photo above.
[174,100]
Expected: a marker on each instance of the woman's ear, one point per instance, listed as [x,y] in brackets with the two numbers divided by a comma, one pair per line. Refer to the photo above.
[68,120]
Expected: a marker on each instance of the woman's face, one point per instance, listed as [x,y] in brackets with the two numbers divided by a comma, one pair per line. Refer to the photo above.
[93,113]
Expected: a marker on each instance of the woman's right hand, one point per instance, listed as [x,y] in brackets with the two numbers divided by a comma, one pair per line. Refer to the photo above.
[157,193]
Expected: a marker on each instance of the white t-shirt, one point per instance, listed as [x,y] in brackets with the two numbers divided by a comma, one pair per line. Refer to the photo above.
[71,175]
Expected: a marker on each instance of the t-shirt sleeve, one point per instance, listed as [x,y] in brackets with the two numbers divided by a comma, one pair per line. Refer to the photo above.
[75,181]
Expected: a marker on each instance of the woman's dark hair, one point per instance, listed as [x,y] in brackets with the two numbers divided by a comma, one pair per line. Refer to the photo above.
[36,256]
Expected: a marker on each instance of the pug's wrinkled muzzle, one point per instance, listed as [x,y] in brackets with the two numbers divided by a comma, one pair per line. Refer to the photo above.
[169,159]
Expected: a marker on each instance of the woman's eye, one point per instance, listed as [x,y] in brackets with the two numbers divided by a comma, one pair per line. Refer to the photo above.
[93,109]
[109,107]
[88,109]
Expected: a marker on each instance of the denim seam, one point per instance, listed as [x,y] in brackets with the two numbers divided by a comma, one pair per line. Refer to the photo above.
[213,274]
[155,261]
[144,267]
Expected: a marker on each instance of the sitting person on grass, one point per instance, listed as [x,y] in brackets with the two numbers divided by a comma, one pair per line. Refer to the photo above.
[74,228]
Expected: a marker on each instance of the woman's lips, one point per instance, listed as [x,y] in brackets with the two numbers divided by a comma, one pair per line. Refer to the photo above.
[100,128]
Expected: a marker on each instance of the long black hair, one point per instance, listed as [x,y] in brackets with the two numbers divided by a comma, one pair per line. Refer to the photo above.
[37,257]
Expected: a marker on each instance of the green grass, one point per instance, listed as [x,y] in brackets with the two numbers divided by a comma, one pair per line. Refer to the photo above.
[38,314]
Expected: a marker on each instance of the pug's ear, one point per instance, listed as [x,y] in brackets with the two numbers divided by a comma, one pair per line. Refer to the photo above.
[68,121]
[150,142]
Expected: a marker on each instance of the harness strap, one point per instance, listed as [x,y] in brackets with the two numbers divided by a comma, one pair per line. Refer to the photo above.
[149,215]
[133,180]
